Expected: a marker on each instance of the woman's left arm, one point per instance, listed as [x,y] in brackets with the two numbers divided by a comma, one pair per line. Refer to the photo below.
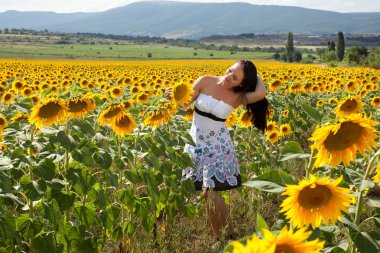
[258,94]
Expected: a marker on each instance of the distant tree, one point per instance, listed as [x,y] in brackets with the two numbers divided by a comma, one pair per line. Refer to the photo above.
[341,47]
[195,53]
[332,46]
[297,56]
[149,55]
[276,56]
[356,55]
[1,31]
[211,54]
[290,48]
[6,30]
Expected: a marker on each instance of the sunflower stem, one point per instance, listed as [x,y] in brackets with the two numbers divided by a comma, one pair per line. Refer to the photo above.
[311,163]
[360,198]
[67,187]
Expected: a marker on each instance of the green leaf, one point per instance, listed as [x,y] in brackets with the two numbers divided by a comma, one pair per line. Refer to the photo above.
[85,213]
[45,169]
[312,112]
[44,243]
[271,181]
[292,149]
[7,226]
[103,159]
[260,223]
[32,189]
[364,242]
[28,227]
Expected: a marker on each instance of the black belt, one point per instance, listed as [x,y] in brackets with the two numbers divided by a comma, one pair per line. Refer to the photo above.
[208,115]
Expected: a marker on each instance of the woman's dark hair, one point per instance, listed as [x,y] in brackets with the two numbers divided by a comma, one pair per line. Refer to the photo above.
[259,109]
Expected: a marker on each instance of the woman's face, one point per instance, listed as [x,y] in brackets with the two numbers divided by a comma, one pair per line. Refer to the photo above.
[233,77]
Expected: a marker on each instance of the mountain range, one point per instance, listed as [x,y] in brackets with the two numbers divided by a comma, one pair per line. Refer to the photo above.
[195,20]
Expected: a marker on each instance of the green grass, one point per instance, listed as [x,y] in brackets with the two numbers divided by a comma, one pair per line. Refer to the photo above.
[79,51]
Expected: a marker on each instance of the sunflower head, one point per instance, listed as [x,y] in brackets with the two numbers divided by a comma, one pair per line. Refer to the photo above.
[79,107]
[340,142]
[315,200]
[123,125]
[111,113]
[181,93]
[49,112]
[245,119]
[349,106]
[285,129]
[273,136]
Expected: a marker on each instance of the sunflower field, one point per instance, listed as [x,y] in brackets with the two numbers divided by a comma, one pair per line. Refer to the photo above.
[92,157]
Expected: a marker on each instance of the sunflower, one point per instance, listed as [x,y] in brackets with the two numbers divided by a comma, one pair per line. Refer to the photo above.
[124,125]
[293,241]
[285,129]
[158,117]
[333,100]
[181,93]
[51,111]
[3,147]
[110,114]
[245,119]
[314,200]
[17,85]
[320,103]
[375,101]
[189,114]
[232,119]
[271,127]
[79,107]
[253,245]
[127,104]
[376,178]
[20,116]
[340,142]
[27,92]
[7,97]
[275,85]
[116,92]
[273,136]
[348,106]
[3,122]
[285,113]
[142,98]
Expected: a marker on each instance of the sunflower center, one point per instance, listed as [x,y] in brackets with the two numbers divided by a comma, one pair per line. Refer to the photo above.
[77,106]
[284,248]
[316,197]
[7,97]
[123,122]
[180,92]
[158,116]
[349,105]
[2,121]
[49,110]
[348,134]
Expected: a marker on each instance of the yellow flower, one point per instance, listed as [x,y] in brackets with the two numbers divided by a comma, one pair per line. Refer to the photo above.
[3,122]
[17,85]
[293,241]
[158,117]
[189,114]
[375,101]
[142,98]
[285,129]
[320,103]
[116,92]
[127,104]
[181,93]
[3,147]
[79,107]
[271,127]
[376,177]
[27,92]
[275,85]
[110,114]
[20,116]
[245,119]
[253,245]
[348,106]
[314,200]
[124,125]
[232,119]
[285,113]
[273,136]
[7,97]
[49,112]
[340,142]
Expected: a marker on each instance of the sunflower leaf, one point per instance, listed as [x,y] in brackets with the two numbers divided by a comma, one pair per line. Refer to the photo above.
[271,181]
[292,149]
[312,112]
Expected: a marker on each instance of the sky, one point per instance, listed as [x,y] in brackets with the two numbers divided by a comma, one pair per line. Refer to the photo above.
[66,6]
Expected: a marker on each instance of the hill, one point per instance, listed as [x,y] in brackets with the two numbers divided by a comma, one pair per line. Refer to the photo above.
[195,20]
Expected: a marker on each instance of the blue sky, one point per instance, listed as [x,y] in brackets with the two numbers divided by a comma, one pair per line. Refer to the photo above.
[65,6]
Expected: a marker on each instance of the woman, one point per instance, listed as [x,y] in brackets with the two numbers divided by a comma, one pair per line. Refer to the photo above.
[216,165]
